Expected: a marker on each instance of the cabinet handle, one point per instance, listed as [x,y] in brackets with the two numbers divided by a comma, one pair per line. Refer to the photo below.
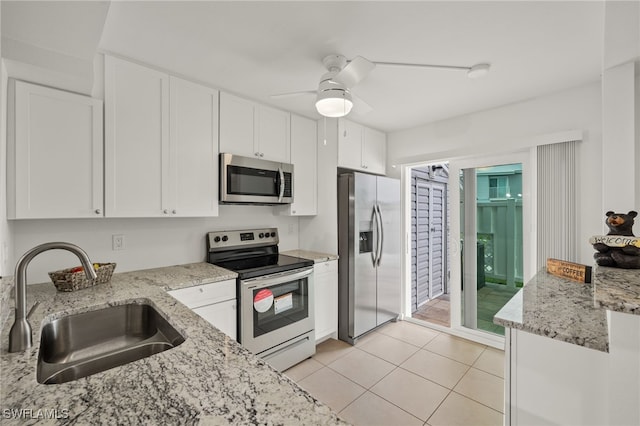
[165,211]
[201,290]
[293,211]
[173,211]
[98,211]
[257,154]
[262,154]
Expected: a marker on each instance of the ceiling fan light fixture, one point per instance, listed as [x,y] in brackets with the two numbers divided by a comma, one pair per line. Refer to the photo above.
[334,103]
[478,70]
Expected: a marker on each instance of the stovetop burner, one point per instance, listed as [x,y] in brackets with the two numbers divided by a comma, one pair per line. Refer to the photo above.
[264,265]
[250,253]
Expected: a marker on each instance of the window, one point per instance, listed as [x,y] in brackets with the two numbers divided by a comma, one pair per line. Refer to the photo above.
[499,187]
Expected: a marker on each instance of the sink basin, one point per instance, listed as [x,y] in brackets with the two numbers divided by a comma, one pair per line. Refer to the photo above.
[79,345]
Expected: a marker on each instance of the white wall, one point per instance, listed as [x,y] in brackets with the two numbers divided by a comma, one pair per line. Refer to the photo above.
[148,242]
[515,127]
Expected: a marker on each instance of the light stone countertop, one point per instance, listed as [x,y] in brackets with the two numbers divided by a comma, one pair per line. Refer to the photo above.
[208,379]
[557,308]
[317,257]
[617,289]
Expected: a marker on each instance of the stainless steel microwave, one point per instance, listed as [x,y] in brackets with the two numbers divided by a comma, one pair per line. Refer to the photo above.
[245,180]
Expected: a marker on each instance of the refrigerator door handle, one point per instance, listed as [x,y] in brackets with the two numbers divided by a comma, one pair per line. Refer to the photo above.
[380,234]
[374,252]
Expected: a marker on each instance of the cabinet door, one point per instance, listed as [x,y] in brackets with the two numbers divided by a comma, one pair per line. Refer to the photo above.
[222,316]
[136,140]
[349,144]
[193,149]
[374,151]
[325,276]
[54,154]
[304,144]
[237,126]
[273,132]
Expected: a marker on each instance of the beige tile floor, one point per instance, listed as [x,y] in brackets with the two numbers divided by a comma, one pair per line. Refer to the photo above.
[406,374]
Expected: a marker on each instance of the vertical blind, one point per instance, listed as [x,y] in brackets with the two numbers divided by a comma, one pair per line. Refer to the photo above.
[557,212]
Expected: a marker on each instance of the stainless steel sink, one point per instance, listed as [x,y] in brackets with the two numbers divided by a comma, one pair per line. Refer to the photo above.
[79,345]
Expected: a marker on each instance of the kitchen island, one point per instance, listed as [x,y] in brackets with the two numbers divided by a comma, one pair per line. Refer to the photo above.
[572,350]
[208,379]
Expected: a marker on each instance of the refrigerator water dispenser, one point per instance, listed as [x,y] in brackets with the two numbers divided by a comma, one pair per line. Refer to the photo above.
[366,242]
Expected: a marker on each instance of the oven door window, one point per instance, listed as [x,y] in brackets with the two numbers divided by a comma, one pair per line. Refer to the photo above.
[280,305]
[249,181]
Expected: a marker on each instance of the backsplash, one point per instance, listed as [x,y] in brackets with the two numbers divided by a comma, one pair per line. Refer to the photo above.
[6,288]
[148,242]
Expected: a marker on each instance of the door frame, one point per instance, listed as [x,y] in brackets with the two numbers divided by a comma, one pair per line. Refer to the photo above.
[529,241]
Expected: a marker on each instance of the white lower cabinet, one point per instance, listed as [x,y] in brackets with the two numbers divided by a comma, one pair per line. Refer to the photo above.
[215,302]
[325,277]
[222,315]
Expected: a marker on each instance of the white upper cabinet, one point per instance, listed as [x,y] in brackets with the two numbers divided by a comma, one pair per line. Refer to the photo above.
[349,144]
[136,139]
[304,145]
[374,151]
[361,148]
[160,144]
[54,160]
[273,135]
[237,126]
[193,159]
[253,130]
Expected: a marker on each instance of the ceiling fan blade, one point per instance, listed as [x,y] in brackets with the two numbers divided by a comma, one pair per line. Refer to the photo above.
[360,106]
[406,64]
[354,72]
[292,94]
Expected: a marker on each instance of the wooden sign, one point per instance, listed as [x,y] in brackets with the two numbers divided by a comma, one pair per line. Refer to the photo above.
[615,240]
[569,270]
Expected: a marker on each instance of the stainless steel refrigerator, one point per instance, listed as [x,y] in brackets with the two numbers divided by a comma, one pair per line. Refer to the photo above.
[369,241]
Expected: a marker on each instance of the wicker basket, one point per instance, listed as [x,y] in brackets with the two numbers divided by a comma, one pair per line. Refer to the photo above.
[67,280]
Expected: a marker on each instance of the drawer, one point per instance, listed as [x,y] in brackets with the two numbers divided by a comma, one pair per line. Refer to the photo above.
[206,294]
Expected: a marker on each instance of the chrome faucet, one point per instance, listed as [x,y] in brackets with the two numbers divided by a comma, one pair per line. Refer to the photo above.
[20,337]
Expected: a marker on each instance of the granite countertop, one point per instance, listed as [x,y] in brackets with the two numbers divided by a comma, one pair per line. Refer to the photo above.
[559,309]
[571,311]
[207,379]
[317,257]
[617,289]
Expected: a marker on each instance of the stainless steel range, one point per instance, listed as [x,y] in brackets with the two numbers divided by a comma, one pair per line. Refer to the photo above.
[275,294]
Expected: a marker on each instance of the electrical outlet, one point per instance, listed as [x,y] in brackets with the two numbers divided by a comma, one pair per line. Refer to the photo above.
[117,242]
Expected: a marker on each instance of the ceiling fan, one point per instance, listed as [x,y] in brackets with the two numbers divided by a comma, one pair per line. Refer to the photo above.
[334,97]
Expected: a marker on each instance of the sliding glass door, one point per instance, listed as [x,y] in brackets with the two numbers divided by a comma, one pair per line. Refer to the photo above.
[489,224]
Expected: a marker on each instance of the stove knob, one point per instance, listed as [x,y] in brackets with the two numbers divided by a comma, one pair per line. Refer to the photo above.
[225,238]
[216,239]
[273,234]
[261,235]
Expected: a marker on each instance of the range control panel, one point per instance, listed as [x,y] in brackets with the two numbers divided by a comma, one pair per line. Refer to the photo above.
[226,240]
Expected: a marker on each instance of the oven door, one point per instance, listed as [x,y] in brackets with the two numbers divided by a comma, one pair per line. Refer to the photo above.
[256,181]
[276,308]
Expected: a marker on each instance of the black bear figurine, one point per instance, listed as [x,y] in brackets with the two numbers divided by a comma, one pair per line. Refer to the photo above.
[628,256]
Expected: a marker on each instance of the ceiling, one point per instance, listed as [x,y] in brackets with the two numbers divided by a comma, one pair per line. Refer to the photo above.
[257,49]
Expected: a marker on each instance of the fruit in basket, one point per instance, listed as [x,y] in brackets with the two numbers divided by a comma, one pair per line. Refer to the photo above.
[81,269]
